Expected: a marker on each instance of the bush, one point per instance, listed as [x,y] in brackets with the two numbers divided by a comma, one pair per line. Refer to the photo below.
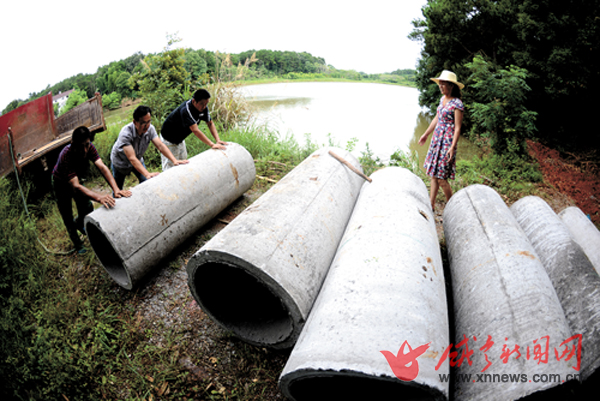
[111,101]
[76,98]
[498,108]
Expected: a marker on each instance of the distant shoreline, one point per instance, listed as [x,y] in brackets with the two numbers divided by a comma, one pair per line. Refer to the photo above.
[287,80]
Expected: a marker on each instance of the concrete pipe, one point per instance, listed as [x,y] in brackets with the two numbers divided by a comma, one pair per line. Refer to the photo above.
[385,287]
[584,232]
[503,301]
[163,212]
[576,281]
[260,275]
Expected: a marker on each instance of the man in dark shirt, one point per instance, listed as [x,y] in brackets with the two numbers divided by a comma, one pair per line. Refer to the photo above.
[65,180]
[184,121]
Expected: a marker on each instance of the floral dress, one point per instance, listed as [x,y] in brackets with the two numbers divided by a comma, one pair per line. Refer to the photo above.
[436,161]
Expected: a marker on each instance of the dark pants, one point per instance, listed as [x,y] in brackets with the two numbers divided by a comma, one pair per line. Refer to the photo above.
[65,194]
[120,175]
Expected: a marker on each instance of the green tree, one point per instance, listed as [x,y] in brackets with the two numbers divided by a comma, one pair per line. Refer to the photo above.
[194,64]
[13,105]
[111,101]
[76,98]
[498,109]
[163,82]
[556,42]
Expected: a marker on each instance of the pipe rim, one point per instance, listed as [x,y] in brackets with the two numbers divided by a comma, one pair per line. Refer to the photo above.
[255,292]
[327,384]
[109,257]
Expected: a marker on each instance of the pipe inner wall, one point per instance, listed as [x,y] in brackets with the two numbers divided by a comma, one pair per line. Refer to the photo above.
[134,236]
[385,287]
[259,276]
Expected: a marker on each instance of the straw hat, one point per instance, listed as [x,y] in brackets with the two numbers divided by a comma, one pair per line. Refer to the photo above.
[448,76]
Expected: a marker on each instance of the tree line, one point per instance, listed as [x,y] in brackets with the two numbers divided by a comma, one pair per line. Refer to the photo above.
[529,67]
[120,79]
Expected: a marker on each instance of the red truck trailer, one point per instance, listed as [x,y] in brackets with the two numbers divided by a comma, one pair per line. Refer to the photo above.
[34,132]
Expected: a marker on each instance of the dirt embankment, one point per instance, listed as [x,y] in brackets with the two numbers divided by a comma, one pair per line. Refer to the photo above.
[575,176]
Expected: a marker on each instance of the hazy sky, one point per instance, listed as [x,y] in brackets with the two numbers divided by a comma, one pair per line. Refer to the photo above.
[44,42]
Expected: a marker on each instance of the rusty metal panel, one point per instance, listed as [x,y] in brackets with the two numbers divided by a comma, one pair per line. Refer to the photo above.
[35,132]
[6,165]
[32,127]
[88,114]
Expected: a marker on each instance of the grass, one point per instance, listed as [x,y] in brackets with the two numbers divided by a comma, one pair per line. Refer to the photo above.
[67,332]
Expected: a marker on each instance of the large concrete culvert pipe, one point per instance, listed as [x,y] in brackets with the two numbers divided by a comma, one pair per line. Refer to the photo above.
[503,301]
[576,281]
[134,236]
[584,232]
[385,286]
[260,275]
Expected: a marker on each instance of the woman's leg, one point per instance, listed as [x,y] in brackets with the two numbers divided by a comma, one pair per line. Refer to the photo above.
[446,188]
[434,190]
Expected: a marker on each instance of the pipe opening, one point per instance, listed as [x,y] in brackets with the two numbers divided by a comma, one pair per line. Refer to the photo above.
[339,386]
[108,256]
[242,303]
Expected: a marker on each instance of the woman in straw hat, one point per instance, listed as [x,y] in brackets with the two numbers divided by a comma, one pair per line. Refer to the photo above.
[440,163]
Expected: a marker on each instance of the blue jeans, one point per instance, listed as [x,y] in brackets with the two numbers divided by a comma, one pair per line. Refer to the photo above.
[120,175]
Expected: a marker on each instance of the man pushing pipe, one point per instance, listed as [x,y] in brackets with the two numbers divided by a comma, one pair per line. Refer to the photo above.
[127,153]
[183,121]
[67,187]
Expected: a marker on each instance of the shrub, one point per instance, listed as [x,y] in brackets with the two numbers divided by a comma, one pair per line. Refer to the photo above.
[498,107]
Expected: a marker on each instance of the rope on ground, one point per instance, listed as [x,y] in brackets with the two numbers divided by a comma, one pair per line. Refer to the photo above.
[25,203]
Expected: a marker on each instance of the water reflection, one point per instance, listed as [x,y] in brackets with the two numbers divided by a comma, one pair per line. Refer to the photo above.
[274,101]
[386,117]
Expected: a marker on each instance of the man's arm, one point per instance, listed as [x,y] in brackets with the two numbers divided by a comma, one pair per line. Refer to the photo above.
[194,128]
[106,200]
[213,130]
[111,181]
[136,163]
[162,148]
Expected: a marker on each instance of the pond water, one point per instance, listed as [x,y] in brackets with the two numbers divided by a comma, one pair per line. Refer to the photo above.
[386,117]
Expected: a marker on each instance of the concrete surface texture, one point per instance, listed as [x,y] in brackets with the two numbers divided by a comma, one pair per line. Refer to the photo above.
[385,287]
[507,316]
[259,276]
[584,232]
[134,236]
[576,281]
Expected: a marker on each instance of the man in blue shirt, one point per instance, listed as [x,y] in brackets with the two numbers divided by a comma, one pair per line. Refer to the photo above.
[184,121]
[127,153]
